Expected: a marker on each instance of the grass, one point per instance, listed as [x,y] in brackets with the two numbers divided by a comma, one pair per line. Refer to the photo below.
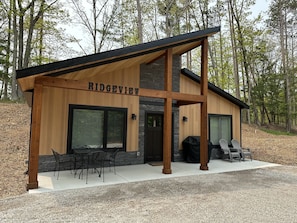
[277,132]
[8,101]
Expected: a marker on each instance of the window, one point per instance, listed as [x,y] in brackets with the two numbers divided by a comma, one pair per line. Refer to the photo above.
[154,120]
[100,127]
[220,127]
[116,127]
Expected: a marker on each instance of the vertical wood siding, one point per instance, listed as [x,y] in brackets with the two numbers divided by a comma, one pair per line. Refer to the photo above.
[215,105]
[55,105]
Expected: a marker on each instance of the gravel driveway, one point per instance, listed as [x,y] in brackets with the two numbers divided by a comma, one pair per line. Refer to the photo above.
[259,195]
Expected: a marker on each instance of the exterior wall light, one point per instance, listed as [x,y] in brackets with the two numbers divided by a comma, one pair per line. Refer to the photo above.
[185,118]
[134,117]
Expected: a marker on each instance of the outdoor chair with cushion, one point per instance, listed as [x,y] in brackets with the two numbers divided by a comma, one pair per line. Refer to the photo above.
[245,152]
[111,159]
[228,153]
[62,162]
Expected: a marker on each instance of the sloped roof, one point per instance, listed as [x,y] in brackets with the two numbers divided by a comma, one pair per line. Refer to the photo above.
[109,60]
[215,89]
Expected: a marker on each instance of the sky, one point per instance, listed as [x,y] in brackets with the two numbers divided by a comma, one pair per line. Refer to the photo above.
[261,6]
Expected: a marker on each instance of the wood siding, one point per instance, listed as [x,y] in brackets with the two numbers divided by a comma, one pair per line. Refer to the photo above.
[55,106]
[215,105]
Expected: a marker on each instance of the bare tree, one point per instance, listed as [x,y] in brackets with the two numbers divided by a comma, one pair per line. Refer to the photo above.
[97,18]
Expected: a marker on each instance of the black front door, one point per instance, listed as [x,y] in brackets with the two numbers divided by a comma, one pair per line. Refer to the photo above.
[154,137]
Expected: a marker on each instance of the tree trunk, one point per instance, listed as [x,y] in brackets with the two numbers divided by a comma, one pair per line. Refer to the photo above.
[139,22]
[5,77]
[282,30]
[94,32]
[245,69]
[14,96]
[234,49]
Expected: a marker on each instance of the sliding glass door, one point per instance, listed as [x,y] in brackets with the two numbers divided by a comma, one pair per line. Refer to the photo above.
[220,127]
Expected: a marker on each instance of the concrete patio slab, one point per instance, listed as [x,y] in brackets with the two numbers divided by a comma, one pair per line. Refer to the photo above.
[142,172]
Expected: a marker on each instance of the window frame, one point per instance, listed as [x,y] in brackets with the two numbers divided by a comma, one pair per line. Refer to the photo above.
[72,107]
[220,126]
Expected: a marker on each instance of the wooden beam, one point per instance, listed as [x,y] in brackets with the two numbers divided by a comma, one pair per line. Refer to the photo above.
[182,103]
[144,92]
[188,97]
[167,131]
[62,83]
[35,137]
[204,91]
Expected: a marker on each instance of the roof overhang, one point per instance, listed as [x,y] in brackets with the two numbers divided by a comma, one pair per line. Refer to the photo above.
[215,89]
[111,60]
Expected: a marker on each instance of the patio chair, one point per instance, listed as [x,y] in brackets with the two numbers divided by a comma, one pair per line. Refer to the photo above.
[62,162]
[245,152]
[111,159]
[228,153]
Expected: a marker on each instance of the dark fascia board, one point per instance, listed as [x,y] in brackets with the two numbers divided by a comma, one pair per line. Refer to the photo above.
[215,89]
[115,55]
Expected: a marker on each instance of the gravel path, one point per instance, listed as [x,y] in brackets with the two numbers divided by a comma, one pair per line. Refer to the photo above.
[260,195]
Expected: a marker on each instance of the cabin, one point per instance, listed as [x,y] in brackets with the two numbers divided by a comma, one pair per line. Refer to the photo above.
[137,99]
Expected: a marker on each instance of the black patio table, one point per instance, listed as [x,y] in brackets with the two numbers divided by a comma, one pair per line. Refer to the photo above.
[86,158]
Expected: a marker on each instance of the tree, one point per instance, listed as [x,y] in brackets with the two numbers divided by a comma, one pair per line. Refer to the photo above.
[21,31]
[139,22]
[266,82]
[5,20]
[97,18]
[31,12]
[172,11]
[282,13]
[129,29]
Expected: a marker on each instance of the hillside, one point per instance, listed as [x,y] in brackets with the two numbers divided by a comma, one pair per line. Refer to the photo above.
[14,143]
[267,147]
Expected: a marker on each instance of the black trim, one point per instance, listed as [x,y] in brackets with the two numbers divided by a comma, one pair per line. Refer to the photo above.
[215,89]
[156,103]
[116,55]
[105,109]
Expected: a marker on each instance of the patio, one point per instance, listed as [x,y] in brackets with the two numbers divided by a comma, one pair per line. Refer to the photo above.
[133,173]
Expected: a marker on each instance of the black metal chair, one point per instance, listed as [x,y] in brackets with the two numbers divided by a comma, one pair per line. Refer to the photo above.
[111,159]
[62,162]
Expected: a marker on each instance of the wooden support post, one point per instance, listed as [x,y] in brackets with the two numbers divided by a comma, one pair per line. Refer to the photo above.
[35,137]
[204,90]
[167,131]
[167,134]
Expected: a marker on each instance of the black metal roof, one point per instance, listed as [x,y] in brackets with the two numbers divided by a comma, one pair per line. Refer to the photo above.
[84,62]
[215,89]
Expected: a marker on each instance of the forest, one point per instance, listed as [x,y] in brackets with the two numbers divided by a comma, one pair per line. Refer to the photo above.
[252,58]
